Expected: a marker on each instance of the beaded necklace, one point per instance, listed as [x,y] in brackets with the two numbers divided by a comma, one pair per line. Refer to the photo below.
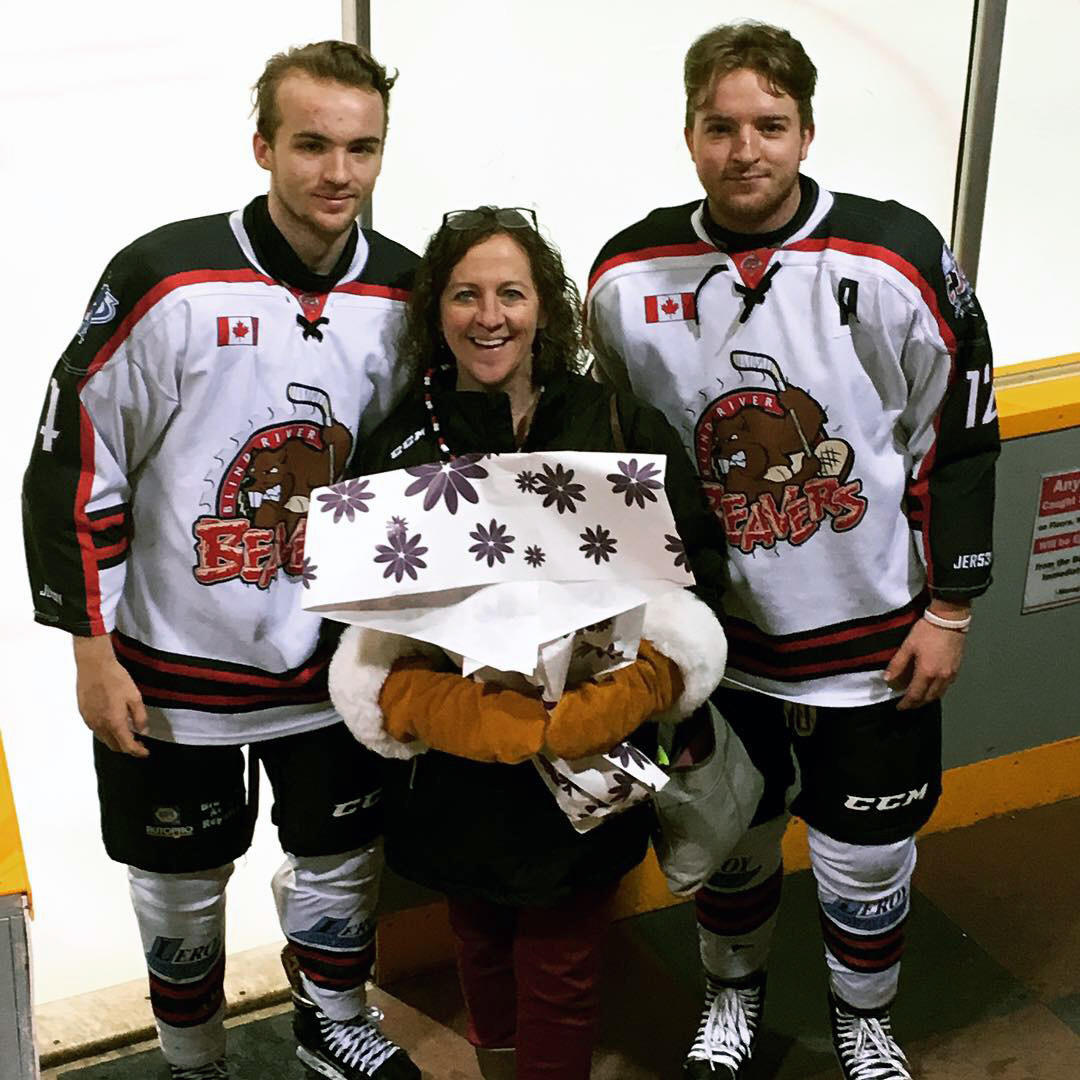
[433,418]
[429,404]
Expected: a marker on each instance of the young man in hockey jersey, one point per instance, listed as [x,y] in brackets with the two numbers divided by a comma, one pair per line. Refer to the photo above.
[225,368]
[828,366]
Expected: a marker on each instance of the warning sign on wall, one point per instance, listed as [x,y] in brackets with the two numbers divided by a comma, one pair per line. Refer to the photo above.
[1053,576]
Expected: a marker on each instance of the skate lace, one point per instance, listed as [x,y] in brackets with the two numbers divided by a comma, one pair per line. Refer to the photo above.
[726,1033]
[869,1050]
[358,1043]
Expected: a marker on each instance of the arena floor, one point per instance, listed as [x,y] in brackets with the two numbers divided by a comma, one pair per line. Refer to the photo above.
[990,990]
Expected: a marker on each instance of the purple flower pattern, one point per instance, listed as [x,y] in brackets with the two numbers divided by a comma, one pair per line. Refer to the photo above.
[534,556]
[307,573]
[636,484]
[402,554]
[622,788]
[604,652]
[626,754]
[447,480]
[563,783]
[558,488]
[345,499]
[675,546]
[526,481]
[599,544]
[491,543]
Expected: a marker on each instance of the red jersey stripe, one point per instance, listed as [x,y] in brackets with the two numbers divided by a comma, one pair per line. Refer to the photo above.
[743,631]
[239,702]
[666,251]
[358,288]
[788,672]
[83,525]
[890,258]
[209,674]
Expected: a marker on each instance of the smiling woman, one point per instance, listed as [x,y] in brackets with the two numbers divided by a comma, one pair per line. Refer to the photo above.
[490,313]
[493,339]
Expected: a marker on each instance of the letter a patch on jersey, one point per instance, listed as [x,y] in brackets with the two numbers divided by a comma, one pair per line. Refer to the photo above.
[237,330]
[669,307]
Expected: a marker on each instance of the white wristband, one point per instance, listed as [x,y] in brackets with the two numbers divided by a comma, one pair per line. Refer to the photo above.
[959,625]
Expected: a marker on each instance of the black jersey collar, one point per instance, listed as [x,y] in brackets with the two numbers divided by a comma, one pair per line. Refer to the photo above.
[278,258]
[728,240]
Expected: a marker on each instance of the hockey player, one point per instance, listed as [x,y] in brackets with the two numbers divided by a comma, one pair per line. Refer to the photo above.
[828,366]
[224,369]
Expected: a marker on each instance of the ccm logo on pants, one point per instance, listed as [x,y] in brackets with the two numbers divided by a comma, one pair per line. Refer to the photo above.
[346,808]
[885,802]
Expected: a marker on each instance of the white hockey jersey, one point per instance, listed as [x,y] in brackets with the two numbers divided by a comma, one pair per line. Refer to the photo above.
[183,431]
[833,385]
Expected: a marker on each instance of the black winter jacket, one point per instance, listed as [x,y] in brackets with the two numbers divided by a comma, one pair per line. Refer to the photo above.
[493,831]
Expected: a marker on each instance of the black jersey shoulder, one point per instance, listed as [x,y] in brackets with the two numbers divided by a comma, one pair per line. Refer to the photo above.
[911,236]
[203,245]
[887,224]
[388,263]
[668,225]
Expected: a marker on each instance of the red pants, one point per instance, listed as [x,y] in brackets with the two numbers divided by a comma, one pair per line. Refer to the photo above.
[530,976]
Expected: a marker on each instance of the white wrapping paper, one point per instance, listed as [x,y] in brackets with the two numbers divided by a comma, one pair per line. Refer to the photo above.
[523,567]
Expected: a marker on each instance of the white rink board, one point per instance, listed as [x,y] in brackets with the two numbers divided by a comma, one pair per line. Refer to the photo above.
[1027,273]
[577,109]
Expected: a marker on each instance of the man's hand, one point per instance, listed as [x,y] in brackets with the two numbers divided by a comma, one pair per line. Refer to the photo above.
[928,660]
[110,703]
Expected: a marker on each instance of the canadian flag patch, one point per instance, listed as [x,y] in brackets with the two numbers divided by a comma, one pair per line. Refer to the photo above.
[669,307]
[237,330]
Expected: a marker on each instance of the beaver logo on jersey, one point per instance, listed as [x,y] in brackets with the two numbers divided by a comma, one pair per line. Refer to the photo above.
[259,513]
[768,465]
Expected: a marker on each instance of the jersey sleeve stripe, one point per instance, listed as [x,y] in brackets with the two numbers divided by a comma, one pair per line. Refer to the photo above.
[644,254]
[110,551]
[890,258]
[83,526]
[108,515]
[919,491]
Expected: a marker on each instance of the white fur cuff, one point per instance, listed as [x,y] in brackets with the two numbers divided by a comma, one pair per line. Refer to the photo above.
[357,673]
[685,630]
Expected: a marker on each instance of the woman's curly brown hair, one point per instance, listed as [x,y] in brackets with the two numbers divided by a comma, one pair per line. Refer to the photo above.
[557,348]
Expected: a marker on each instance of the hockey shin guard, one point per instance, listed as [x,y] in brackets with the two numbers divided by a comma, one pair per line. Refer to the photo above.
[326,905]
[182,923]
[736,909]
[864,894]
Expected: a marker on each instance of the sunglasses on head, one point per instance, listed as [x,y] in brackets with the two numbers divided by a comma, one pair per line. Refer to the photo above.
[509,217]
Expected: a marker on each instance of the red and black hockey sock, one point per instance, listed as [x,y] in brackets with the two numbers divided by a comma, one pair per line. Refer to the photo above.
[326,905]
[182,923]
[736,910]
[864,896]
